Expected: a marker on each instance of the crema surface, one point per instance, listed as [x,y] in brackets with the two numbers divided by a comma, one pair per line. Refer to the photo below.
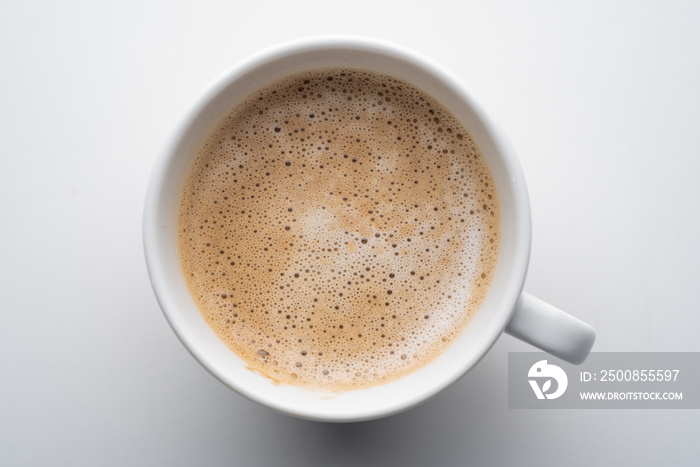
[338,229]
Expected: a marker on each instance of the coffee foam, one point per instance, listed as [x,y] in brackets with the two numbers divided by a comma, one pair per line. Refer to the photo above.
[338,229]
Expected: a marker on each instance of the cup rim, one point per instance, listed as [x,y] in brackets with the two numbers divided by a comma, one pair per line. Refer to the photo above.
[151,229]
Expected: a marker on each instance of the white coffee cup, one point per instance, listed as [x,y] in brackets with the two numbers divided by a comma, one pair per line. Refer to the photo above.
[505,308]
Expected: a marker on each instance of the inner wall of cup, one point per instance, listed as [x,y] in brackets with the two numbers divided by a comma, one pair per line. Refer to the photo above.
[407,391]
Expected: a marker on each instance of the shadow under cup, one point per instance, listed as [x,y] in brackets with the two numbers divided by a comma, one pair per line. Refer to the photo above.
[167,181]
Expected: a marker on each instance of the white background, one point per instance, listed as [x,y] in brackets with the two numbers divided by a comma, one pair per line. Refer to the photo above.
[601,100]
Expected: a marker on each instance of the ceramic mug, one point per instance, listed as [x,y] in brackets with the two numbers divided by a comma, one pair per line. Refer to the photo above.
[505,308]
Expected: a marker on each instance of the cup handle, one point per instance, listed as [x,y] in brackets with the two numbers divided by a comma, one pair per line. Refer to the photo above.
[550,329]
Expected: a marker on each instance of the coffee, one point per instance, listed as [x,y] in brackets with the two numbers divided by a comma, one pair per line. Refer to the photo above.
[338,229]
